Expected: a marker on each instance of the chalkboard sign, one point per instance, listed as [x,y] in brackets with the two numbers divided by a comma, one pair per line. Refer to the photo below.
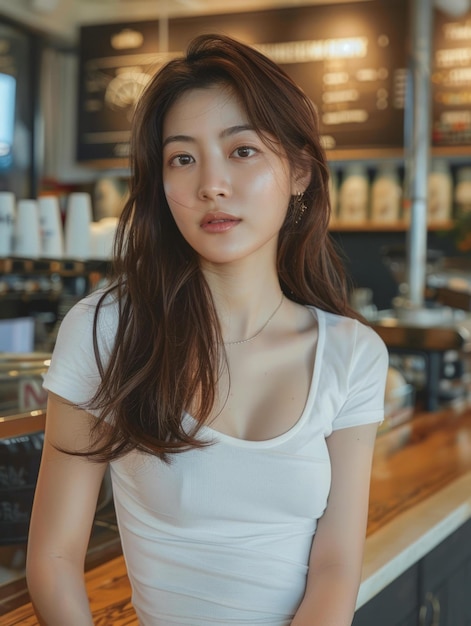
[19,466]
[116,62]
[451,80]
[350,59]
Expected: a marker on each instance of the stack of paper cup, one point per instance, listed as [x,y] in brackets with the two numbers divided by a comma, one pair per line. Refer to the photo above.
[26,235]
[102,237]
[52,238]
[77,225]
[7,221]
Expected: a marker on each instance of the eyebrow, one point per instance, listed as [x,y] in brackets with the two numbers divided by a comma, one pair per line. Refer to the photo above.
[227,132]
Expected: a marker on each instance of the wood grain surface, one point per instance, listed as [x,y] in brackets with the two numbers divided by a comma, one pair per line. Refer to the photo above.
[110,599]
[416,460]
[412,463]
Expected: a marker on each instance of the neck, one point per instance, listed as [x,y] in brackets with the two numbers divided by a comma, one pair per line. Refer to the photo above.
[261,329]
[244,301]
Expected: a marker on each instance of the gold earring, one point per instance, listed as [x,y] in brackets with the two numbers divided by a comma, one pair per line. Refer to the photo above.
[299,207]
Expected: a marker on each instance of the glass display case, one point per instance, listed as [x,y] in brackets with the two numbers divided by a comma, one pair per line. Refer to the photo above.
[22,422]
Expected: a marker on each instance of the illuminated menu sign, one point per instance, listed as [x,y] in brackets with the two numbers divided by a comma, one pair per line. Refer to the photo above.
[451,80]
[350,59]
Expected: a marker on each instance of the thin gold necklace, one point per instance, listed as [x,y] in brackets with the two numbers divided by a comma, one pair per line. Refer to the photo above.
[234,343]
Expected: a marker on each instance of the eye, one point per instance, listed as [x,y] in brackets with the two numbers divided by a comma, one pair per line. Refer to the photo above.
[244,151]
[180,160]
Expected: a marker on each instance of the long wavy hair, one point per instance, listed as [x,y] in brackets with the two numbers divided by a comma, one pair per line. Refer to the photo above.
[168,346]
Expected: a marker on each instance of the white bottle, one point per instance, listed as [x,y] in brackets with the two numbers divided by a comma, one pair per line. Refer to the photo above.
[440,192]
[463,191]
[353,195]
[386,195]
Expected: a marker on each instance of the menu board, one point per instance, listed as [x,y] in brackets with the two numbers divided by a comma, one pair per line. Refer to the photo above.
[116,62]
[451,80]
[350,59]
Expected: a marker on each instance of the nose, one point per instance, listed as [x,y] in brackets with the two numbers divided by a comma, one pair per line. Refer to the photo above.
[214,180]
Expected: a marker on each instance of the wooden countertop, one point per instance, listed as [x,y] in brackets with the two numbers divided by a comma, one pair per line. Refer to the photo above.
[420,494]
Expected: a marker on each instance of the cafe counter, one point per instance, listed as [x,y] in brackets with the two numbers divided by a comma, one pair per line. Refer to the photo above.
[420,511]
[419,519]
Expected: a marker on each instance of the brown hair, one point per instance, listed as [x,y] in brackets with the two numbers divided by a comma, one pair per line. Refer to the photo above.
[167,351]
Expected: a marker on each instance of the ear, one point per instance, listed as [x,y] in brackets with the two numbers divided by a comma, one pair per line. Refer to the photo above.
[301,176]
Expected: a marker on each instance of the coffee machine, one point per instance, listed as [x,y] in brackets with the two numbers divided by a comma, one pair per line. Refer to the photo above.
[431,346]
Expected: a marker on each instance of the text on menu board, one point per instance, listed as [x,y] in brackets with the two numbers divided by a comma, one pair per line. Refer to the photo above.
[350,59]
[451,80]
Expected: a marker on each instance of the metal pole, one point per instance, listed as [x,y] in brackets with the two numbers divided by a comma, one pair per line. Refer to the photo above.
[418,150]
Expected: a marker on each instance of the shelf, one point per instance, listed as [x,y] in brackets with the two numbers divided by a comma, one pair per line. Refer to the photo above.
[365,154]
[399,226]
[371,156]
[30,296]
[461,152]
[64,267]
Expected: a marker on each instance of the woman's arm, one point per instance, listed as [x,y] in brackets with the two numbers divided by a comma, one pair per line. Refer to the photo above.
[337,551]
[63,511]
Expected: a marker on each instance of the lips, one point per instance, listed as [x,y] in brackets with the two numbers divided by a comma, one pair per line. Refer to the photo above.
[218,218]
[218,222]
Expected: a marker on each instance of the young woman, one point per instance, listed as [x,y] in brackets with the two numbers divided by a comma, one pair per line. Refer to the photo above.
[222,375]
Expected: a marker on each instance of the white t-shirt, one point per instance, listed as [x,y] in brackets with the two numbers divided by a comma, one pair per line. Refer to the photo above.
[222,535]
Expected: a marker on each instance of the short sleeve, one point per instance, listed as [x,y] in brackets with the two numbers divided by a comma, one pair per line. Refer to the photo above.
[366,381]
[73,373]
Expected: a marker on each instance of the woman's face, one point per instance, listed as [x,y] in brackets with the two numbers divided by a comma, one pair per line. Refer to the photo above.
[227,191]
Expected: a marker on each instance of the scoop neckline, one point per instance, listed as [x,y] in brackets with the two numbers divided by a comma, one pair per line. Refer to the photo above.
[216,436]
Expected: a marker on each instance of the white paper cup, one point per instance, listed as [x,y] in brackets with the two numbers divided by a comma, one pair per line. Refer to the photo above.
[109,226]
[102,237]
[27,233]
[77,226]
[7,221]
[52,236]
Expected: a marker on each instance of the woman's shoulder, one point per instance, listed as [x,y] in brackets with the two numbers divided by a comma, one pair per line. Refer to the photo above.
[349,332]
[80,318]
[355,362]
[103,299]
